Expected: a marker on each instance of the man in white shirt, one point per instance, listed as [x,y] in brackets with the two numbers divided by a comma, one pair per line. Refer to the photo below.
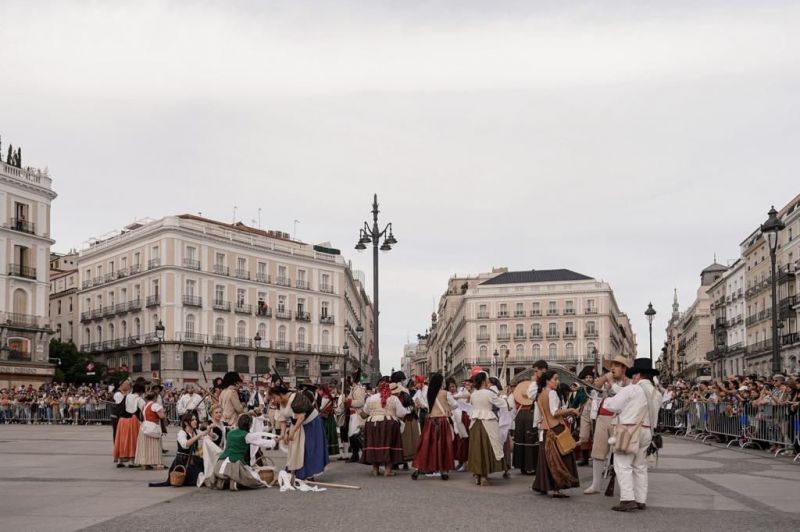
[635,404]
[191,400]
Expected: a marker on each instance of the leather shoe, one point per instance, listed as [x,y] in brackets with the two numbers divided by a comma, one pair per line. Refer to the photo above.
[625,506]
[641,506]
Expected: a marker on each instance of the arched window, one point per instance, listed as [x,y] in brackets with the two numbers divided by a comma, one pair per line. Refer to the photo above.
[326,339]
[99,333]
[20,301]
[137,327]
[219,328]
[301,337]
[124,331]
[189,325]
[282,337]
[484,352]
[111,332]
[241,330]
[262,332]
[570,351]
[537,351]
[590,349]
[552,351]
[87,333]
[519,351]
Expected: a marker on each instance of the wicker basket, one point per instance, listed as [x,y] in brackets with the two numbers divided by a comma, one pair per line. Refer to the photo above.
[265,468]
[177,476]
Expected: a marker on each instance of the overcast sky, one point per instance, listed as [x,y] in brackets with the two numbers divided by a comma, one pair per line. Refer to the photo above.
[625,143]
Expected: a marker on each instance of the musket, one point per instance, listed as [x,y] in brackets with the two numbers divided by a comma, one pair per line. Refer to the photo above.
[612,478]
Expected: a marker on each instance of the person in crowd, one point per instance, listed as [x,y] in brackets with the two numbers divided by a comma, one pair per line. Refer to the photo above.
[232,469]
[383,444]
[461,422]
[410,424]
[435,449]
[191,402]
[217,428]
[486,448]
[232,407]
[583,402]
[526,435]
[119,397]
[148,447]
[325,406]
[554,472]
[128,426]
[637,406]
[302,432]
[420,399]
[188,454]
[354,403]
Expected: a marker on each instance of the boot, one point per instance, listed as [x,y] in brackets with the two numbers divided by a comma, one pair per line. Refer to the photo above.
[625,506]
[597,478]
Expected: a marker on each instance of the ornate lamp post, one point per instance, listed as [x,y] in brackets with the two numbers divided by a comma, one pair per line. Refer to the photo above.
[160,330]
[257,342]
[770,230]
[651,314]
[373,235]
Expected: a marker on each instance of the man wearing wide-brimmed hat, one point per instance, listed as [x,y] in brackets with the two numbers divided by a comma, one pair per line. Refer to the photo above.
[611,383]
[637,406]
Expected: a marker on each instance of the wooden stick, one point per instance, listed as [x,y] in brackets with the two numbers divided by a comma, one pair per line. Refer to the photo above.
[331,485]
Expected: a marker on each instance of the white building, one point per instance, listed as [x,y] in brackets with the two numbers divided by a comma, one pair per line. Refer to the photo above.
[25,197]
[215,286]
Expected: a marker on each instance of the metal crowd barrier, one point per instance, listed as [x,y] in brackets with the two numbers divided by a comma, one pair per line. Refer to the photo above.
[746,425]
[87,414]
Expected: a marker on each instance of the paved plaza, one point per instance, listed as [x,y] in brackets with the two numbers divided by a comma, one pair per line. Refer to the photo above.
[62,478]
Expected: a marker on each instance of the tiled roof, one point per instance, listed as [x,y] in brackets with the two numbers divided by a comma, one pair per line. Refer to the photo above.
[537,276]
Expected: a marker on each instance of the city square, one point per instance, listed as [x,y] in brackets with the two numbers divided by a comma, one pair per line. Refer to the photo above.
[352,265]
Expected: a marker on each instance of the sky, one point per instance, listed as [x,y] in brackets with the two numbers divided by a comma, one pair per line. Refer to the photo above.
[631,143]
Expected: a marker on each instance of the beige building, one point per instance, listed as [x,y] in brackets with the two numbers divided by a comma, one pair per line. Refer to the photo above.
[214,286]
[25,197]
[556,315]
[63,301]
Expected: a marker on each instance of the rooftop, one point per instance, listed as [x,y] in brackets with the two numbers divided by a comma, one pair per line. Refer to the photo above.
[537,276]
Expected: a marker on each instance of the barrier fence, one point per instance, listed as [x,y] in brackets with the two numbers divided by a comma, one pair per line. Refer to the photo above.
[86,414]
[744,425]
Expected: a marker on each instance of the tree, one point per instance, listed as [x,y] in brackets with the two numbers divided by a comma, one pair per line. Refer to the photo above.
[10,156]
[72,364]
[19,157]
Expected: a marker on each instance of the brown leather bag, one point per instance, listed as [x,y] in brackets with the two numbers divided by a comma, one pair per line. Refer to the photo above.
[565,442]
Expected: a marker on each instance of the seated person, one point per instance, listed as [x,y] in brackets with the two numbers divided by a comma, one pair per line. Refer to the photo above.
[232,465]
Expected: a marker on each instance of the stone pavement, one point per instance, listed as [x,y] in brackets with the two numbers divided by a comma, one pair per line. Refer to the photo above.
[62,478]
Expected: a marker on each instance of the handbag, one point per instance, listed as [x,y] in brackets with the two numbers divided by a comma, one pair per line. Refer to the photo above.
[626,440]
[149,428]
[565,442]
[177,476]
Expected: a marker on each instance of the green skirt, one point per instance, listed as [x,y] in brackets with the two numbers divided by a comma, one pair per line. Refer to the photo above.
[331,434]
[482,460]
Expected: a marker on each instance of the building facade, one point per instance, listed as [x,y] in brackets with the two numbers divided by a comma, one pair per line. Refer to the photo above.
[25,198]
[504,321]
[214,287]
[63,300]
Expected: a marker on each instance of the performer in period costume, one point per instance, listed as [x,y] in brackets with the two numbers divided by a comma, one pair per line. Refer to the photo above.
[554,472]
[325,405]
[410,424]
[232,469]
[232,407]
[420,398]
[583,401]
[383,444]
[637,406]
[302,432]
[128,426]
[217,429]
[188,454]
[354,403]
[526,435]
[611,383]
[462,421]
[191,402]
[118,407]
[148,447]
[486,452]
[435,449]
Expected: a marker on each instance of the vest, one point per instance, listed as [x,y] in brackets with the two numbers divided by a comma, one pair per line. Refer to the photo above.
[543,402]
[235,447]
[440,407]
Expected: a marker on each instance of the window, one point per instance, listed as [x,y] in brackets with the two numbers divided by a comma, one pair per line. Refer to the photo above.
[482,312]
[241,363]
[519,351]
[111,332]
[536,330]
[552,329]
[124,329]
[262,332]
[504,330]
[241,264]
[590,306]
[155,360]
[282,274]
[552,351]
[137,259]
[552,309]
[123,295]
[483,331]
[219,327]
[137,362]
[111,298]
[301,337]
[262,364]
[219,294]
[301,305]
[590,328]
[590,349]
[190,361]
[87,335]
[190,287]
[301,276]
[99,333]
[484,352]
[111,267]
[535,309]
[241,330]
[503,310]
[569,307]
[520,310]
[219,362]
[519,331]
[326,338]
[219,259]
[324,309]
[70,300]
[281,304]
[190,325]
[282,334]
[570,348]
[240,297]
[137,327]
[154,288]
[59,308]
[569,328]
[137,292]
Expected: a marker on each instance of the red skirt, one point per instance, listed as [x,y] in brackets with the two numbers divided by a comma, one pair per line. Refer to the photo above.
[435,448]
[382,442]
[125,439]
[461,445]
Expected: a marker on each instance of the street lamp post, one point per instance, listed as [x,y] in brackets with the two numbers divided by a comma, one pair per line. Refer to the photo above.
[651,314]
[373,234]
[346,351]
[160,336]
[494,362]
[257,341]
[770,230]
[360,336]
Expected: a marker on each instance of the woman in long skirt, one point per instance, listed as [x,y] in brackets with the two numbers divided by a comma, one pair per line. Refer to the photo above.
[435,449]
[308,448]
[486,452]
[554,472]
[128,427]
[148,448]
[187,456]
[382,442]
[326,405]
[460,426]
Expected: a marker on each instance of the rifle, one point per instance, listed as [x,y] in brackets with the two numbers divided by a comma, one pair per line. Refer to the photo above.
[612,477]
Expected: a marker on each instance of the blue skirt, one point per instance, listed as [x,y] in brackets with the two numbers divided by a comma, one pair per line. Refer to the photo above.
[315,454]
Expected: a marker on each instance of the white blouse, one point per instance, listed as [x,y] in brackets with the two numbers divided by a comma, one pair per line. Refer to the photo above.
[133,403]
[482,402]
[554,404]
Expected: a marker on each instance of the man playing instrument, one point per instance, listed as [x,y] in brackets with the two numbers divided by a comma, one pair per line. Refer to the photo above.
[192,402]
[611,383]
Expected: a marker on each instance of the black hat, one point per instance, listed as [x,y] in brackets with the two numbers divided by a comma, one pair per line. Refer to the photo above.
[398,376]
[643,366]
[231,378]
[307,386]
[586,372]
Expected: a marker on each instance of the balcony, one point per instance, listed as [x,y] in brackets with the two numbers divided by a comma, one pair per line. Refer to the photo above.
[283,314]
[192,264]
[303,316]
[241,341]
[262,278]
[97,313]
[23,226]
[153,301]
[192,301]
[18,270]
[221,269]
[122,272]
[483,338]
[519,313]
[283,281]
[241,274]
[243,308]
[503,337]
[136,268]
[134,340]
[552,312]
[191,338]
[570,335]
[553,336]
[302,347]
[153,263]
[536,336]
[108,310]
[591,310]
[224,306]
[761,316]
[86,315]
[136,304]
[590,334]
[219,339]
[107,278]
[520,336]
[16,319]
[99,280]
[264,311]
[721,322]
[502,314]
[483,315]
[790,339]
[327,288]
[303,285]
[326,320]
[87,283]
[283,345]
[569,311]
